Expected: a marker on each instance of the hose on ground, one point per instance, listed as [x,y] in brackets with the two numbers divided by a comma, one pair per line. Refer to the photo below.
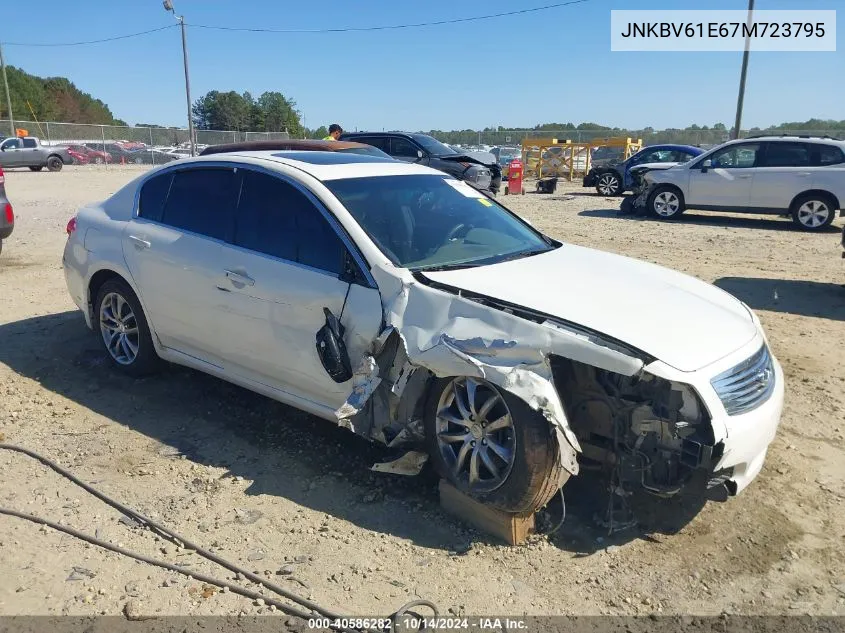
[165,532]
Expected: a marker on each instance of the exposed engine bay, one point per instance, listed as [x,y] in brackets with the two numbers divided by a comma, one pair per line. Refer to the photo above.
[644,431]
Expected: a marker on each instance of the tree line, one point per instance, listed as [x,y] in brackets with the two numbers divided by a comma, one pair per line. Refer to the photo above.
[52,99]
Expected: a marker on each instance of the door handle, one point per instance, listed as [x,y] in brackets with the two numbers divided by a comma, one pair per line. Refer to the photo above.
[239,278]
[744,176]
[139,242]
[804,174]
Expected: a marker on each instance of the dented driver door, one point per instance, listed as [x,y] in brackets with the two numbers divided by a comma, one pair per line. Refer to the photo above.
[284,269]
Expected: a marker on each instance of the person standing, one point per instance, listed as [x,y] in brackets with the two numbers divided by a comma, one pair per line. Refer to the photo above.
[334,132]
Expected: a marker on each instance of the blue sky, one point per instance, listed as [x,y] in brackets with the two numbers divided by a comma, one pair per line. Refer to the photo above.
[550,66]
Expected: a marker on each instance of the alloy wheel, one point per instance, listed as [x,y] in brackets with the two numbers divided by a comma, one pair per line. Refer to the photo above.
[666,204]
[475,434]
[813,213]
[119,328]
[608,184]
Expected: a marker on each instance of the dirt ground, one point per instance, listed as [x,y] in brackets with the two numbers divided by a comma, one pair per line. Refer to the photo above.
[293,498]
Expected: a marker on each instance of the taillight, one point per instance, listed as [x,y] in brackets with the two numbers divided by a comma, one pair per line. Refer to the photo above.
[71,226]
[10,215]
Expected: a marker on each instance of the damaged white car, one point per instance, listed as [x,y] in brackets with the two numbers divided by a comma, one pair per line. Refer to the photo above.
[408,307]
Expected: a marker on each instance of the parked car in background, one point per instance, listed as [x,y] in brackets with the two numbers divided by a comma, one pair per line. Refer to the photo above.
[615,179]
[346,147]
[7,214]
[407,306]
[803,177]
[117,152]
[89,155]
[79,158]
[28,151]
[480,169]
[505,155]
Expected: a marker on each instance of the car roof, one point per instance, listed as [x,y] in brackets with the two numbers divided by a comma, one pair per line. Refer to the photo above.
[791,138]
[286,144]
[689,148]
[322,165]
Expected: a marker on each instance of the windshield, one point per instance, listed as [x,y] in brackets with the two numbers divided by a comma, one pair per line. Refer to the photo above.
[428,222]
[432,145]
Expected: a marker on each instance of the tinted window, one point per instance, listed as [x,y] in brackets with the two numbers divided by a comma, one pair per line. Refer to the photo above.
[153,195]
[787,155]
[828,155]
[403,147]
[203,201]
[736,156]
[11,143]
[29,142]
[381,142]
[276,218]
[432,145]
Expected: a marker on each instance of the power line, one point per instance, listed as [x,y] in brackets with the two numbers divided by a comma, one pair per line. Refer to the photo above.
[390,27]
[108,39]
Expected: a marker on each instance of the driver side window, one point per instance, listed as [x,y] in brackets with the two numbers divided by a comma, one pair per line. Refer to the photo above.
[736,156]
[403,148]
[12,143]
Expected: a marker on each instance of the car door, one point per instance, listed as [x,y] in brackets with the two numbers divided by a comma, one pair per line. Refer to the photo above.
[11,152]
[727,183]
[173,247]
[282,270]
[380,142]
[784,172]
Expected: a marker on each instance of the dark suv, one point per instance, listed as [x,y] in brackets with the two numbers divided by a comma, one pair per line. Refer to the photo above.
[479,169]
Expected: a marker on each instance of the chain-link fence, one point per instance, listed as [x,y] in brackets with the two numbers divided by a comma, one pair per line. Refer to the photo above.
[98,144]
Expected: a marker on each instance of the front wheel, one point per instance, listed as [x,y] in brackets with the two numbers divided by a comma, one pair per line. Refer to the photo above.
[609,184]
[97,160]
[54,163]
[124,330]
[813,212]
[491,445]
[36,168]
[666,203]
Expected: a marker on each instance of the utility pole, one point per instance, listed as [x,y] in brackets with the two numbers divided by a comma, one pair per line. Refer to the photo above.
[168,6]
[741,98]
[8,94]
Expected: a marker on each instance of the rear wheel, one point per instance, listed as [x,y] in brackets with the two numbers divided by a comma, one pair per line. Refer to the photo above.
[124,330]
[813,212]
[54,163]
[666,203]
[609,184]
[491,445]
[97,160]
[36,168]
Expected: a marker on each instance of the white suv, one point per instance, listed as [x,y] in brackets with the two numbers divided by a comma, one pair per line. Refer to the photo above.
[802,177]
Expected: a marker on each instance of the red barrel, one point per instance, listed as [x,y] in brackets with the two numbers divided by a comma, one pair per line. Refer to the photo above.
[516,171]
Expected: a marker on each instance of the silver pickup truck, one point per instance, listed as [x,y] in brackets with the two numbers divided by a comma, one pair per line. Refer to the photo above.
[29,152]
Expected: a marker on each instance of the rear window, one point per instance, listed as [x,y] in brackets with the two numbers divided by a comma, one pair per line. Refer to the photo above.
[153,195]
[829,155]
[203,201]
[787,155]
[29,142]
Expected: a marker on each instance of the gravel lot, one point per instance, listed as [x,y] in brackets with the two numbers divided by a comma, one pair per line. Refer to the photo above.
[292,497]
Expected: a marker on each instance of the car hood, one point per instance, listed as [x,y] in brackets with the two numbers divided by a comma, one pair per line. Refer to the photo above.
[482,158]
[673,317]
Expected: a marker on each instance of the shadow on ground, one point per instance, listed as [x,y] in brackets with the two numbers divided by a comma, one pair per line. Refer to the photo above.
[283,451]
[770,223]
[791,296]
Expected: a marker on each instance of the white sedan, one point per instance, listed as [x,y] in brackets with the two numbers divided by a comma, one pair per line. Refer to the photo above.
[411,309]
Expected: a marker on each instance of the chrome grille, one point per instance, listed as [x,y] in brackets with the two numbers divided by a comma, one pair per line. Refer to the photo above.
[746,386]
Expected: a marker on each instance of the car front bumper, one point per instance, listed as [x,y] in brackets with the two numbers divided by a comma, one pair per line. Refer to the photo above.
[745,438]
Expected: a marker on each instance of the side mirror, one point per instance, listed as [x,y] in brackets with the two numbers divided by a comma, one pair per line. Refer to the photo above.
[708,164]
[332,350]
